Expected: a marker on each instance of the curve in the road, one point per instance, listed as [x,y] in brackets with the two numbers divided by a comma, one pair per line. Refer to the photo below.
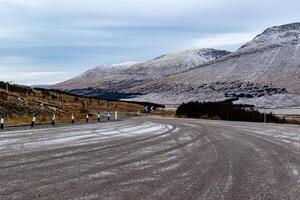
[152,158]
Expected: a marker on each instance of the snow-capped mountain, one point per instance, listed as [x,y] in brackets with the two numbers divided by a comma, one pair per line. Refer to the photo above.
[95,77]
[267,65]
[175,63]
[126,75]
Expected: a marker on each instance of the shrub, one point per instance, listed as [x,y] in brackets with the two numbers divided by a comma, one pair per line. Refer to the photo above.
[224,111]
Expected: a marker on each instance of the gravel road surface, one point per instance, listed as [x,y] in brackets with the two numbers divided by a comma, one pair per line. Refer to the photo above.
[152,158]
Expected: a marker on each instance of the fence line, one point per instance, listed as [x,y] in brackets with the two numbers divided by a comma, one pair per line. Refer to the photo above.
[100,116]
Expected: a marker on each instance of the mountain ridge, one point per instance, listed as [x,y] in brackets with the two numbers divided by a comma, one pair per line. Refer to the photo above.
[149,70]
[267,65]
[264,66]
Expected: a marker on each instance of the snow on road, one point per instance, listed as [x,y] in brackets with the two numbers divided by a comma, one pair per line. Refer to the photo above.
[45,138]
[152,158]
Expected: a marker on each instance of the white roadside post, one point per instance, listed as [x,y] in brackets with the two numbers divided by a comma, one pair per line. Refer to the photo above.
[87,118]
[2,122]
[33,121]
[108,116]
[53,119]
[98,117]
[116,115]
[73,118]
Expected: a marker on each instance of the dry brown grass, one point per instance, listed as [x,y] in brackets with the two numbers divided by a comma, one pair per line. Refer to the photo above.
[44,103]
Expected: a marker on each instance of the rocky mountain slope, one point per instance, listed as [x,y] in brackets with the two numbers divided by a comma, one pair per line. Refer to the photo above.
[175,63]
[123,76]
[267,65]
[95,77]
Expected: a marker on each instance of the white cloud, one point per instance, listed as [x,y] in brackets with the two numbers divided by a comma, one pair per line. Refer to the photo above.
[223,40]
[29,3]
[114,8]
[35,77]
[12,31]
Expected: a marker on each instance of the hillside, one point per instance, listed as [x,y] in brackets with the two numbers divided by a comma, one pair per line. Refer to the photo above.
[268,65]
[265,68]
[120,77]
[20,103]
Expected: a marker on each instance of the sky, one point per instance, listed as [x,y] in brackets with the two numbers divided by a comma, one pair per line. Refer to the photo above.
[48,41]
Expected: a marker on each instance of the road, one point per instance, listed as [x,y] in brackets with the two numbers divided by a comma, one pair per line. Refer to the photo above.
[152,158]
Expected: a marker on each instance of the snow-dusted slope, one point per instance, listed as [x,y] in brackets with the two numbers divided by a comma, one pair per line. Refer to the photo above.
[94,77]
[268,64]
[175,62]
[276,35]
[126,75]
[271,58]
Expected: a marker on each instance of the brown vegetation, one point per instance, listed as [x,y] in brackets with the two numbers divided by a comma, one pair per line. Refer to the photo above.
[20,104]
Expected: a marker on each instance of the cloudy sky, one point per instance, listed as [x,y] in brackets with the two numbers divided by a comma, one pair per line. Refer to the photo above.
[47,41]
